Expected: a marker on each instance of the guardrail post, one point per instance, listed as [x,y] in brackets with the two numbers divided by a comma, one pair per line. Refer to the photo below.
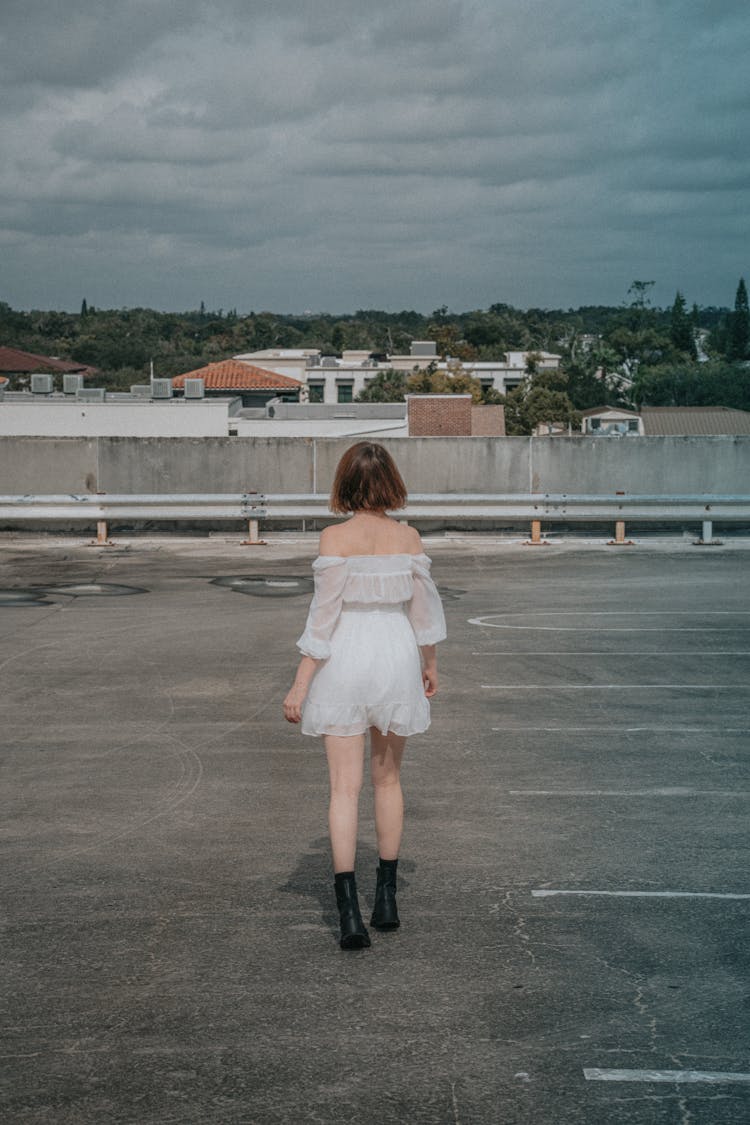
[707,536]
[253,536]
[619,539]
[536,536]
[101,535]
[252,501]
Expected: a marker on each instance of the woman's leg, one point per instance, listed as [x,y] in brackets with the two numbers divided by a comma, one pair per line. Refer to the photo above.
[386,752]
[346,758]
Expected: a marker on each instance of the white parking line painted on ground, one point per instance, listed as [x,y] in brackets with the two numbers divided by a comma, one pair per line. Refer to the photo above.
[613,613]
[616,687]
[667,791]
[715,1077]
[639,894]
[699,655]
[495,621]
[623,730]
[612,628]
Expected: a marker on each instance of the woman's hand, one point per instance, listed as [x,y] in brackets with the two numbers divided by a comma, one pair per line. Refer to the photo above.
[430,679]
[293,703]
[297,693]
[429,669]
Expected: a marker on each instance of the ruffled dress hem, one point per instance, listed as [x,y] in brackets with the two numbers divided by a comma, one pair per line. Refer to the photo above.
[403,719]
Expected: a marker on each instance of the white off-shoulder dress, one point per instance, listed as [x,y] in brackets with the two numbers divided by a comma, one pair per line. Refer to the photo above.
[368,616]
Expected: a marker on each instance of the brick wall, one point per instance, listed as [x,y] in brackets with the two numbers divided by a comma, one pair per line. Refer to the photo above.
[439,415]
[488,421]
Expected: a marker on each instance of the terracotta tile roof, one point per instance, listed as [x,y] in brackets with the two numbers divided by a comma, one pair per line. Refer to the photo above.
[684,421]
[17,362]
[232,375]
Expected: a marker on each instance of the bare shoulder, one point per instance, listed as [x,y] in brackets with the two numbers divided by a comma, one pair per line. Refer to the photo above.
[330,540]
[413,541]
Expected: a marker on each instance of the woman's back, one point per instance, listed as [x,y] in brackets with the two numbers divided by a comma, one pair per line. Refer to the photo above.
[366,533]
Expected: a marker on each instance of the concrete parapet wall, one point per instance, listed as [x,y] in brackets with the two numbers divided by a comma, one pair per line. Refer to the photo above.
[443,464]
[198,465]
[48,465]
[640,465]
[597,466]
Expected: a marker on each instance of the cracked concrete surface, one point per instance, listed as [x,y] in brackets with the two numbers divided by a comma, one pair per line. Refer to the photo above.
[168,927]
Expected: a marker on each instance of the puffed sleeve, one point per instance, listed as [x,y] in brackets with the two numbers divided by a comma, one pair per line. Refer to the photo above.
[330,577]
[425,608]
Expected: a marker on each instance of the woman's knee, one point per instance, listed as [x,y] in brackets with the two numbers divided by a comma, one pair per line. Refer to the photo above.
[345,765]
[346,784]
[385,777]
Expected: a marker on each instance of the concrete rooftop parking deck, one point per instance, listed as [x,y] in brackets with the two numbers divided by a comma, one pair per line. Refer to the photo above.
[575,895]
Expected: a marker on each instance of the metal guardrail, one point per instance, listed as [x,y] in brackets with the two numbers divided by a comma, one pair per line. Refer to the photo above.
[553,507]
[108,506]
[455,507]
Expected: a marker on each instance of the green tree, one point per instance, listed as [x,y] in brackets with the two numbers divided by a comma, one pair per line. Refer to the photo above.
[525,408]
[636,335]
[590,370]
[386,386]
[639,291]
[337,338]
[716,383]
[681,331]
[738,336]
[453,381]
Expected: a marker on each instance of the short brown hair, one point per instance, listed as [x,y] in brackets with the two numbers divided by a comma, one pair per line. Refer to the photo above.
[366,479]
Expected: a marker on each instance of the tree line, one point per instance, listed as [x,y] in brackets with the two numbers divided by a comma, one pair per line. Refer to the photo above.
[633,354]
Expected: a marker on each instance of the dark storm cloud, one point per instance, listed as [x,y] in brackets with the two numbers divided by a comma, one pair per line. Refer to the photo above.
[338,154]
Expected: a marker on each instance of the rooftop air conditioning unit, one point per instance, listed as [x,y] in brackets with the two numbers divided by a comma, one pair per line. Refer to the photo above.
[72,383]
[42,384]
[161,388]
[195,388]
[423,348]
[91,394]
[140,390]
[329,361]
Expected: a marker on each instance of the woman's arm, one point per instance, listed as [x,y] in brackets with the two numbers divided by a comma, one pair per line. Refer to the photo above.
[297,693]
[429,669]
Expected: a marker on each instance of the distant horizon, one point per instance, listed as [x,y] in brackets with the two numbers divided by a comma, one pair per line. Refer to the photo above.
[338,314]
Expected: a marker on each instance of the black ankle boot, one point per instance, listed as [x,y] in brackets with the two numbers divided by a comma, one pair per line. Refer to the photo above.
[385,913]
[353,932]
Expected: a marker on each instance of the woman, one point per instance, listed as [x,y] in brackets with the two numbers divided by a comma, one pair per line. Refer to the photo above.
[374,608]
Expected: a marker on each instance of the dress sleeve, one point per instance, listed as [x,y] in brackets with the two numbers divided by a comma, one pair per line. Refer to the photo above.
[425,608]
[330,577]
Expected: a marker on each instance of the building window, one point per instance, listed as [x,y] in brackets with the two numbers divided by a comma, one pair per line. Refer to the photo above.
[317,392]
[633,425]
[595,423]
[345,392]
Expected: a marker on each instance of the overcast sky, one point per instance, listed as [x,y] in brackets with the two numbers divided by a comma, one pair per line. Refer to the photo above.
[340,154]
